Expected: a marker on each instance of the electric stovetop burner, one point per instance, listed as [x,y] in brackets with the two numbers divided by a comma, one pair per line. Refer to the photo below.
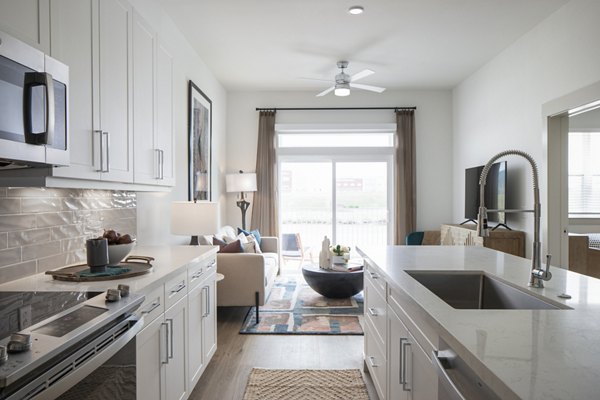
[132,266]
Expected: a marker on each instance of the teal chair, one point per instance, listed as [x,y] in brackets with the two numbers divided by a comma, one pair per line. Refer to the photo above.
[414,238]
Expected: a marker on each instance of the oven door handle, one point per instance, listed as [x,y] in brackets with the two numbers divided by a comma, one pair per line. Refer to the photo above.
[68,380]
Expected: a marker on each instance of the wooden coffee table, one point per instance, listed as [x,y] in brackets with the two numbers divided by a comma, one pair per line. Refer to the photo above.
[333,284]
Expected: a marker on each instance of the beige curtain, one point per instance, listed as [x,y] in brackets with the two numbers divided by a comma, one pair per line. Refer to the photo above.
[265,208]
[405,186]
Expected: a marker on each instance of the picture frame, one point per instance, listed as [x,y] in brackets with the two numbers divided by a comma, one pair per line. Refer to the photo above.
[199,144]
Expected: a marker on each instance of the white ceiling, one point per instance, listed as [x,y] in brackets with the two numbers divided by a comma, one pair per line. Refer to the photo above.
[273,44]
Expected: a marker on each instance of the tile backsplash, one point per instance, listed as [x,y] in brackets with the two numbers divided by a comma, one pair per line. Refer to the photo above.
[43,228]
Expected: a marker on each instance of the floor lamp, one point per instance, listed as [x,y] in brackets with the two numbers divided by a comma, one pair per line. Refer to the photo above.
[242,183]
[193,218]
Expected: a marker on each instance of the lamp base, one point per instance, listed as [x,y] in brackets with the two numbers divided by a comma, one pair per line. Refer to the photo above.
[243,205]
[194,241]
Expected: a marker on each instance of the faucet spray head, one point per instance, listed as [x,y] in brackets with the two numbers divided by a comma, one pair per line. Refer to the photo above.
[482,223]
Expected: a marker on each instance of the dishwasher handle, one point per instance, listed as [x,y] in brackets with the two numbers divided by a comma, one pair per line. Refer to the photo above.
[441,366]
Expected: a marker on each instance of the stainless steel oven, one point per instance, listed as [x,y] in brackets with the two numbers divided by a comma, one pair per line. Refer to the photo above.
[33,106]
[68,345]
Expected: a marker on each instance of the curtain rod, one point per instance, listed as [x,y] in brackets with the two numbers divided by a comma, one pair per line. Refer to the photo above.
[332,108]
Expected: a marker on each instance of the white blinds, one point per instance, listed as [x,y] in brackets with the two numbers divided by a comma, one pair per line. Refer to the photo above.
[584,173]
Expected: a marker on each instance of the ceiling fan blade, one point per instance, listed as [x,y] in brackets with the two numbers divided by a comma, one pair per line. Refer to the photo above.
[362,74]
[314,79]
[367,87]
[324,92]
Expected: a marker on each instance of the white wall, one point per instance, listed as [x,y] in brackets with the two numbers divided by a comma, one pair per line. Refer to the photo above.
[500,106]
[154,213]
[433,137]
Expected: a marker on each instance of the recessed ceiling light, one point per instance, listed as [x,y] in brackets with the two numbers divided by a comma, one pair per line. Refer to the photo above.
[355,10]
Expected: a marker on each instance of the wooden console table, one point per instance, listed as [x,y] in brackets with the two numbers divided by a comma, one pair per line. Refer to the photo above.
[512,242]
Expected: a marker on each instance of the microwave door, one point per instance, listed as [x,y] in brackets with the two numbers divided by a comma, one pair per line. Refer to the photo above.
[57,153]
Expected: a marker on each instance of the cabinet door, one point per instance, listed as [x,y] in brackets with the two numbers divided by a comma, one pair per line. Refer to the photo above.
[209,320]
[144,45]
[421,376]
[27,20]
[114,52]
[151,353]
[176,380]
[164,116]
[397,356]
[195,311]
[73,44]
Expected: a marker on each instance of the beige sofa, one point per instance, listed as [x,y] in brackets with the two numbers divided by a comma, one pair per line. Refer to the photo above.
[249,277]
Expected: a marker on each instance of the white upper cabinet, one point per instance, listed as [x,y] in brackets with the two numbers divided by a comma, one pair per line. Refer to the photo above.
[27,20]
[152,107]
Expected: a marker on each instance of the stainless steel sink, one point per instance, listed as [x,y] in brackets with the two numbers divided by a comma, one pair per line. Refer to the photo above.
[475,290]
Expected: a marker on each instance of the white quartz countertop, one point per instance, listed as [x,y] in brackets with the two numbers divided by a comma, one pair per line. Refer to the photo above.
[168,261]
[537,354]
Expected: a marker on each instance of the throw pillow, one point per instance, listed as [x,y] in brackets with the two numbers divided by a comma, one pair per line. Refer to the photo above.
[254,232]
[252,239]
[229,239]
[205,239]
[233,247]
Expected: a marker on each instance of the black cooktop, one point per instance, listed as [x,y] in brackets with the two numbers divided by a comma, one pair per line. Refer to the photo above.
[20,310]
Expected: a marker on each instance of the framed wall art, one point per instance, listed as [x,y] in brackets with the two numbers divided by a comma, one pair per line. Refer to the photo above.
[200,144]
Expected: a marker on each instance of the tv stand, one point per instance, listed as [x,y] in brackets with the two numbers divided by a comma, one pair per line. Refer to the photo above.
[500,225]
[470,220]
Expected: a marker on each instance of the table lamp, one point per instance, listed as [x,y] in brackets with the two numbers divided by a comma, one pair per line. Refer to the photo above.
[241,182]
[194,218]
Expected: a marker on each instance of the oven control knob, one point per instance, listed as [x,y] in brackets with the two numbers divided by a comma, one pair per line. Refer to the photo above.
[124,290]
[3,355]
[113,295]
[19,342]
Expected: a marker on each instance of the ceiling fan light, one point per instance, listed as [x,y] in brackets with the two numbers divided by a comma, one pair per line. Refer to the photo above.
[342,90]
[356,10]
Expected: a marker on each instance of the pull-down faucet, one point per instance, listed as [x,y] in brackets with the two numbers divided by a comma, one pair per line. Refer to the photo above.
[538,275]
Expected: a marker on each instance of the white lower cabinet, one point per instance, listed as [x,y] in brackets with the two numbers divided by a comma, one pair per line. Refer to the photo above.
[398,365]
[411,374]
[176,345]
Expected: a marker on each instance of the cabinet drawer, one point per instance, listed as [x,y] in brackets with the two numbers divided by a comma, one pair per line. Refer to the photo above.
[198,271]
[376,310]
[375,360]
[175,289]
[154,305]
[378,281]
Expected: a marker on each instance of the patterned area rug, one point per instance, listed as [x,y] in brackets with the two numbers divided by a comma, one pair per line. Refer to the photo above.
[304,384]
[294,308]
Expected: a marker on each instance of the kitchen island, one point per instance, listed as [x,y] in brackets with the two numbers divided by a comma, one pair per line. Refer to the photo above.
[519,354]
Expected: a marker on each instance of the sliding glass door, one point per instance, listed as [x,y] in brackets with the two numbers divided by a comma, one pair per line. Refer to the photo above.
[346,198]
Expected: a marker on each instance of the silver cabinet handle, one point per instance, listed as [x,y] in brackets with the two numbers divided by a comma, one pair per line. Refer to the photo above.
[401,378]
[373,275]
[178,288]
[197,275]
[206,301]
[211,265]
[445,380]
[404,366]
[107,151]
[170,321]
[153,306]
[372,362]
[101,142]
[166,360]
[157,164]
[162,164]
[373,311]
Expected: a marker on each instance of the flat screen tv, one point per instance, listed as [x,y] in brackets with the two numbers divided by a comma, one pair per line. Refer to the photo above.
[495,192]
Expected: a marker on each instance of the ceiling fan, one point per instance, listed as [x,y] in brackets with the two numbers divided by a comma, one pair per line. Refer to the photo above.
[343,82]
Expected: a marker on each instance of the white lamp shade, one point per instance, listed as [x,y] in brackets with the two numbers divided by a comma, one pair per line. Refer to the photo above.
[189,218]
[245,182]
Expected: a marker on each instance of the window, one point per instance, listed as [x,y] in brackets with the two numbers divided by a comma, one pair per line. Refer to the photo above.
[584,174]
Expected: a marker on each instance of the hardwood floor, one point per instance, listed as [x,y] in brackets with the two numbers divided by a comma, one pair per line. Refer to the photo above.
[226,376]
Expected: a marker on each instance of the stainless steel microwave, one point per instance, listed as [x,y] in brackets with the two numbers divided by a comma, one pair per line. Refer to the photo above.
[33,106]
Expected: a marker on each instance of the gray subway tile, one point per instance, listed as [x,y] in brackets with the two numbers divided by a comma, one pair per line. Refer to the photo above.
[9,223]
[73,244]
[10,256]
[75,257]
[66,231]
[30,236]
[42,204]
[3,240]
[3,192]
[52,262]
[54,219]
[16,271]
[40,250]
[10,206]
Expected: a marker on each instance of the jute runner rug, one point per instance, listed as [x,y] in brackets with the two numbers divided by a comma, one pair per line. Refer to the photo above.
[305,384]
